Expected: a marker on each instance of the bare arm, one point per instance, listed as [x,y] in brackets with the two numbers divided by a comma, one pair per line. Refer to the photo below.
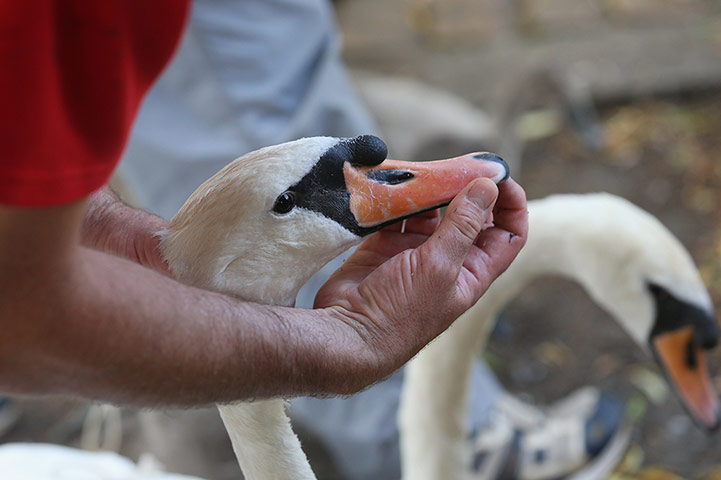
[79,321]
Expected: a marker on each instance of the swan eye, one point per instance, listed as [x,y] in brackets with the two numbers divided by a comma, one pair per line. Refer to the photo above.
[284,203]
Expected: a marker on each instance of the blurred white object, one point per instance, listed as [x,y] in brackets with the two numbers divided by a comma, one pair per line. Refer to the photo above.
[38,461]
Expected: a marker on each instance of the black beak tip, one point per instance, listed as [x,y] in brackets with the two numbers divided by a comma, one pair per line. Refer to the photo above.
[492,157]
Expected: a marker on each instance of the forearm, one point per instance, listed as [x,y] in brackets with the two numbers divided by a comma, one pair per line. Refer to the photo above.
[83,322]
[111,330]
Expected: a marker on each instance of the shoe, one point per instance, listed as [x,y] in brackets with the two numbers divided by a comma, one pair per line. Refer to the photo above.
[523,442]
[9,415]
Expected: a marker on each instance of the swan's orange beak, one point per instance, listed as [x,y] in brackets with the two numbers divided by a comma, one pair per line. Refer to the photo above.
[394,189]
[685,365]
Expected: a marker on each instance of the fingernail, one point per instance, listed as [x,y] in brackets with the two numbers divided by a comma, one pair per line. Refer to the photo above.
[483,192]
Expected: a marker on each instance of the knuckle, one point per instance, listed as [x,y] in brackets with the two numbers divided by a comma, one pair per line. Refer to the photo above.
[468,220]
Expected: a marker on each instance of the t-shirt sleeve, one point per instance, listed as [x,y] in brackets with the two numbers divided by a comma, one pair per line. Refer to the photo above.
[72,76]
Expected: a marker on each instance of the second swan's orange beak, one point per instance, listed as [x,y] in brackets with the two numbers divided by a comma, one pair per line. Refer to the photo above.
[395,189]
[684,363]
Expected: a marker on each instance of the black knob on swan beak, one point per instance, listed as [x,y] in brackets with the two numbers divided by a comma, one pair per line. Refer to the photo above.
[367,150]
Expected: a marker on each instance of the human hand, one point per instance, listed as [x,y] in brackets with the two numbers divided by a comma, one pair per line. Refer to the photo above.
[113,227]
[399,290]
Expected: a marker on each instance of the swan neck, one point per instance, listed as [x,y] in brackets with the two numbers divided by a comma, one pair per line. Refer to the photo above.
[439,374]
[264,442]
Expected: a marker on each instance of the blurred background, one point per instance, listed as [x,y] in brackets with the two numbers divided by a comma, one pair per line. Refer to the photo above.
[622,96]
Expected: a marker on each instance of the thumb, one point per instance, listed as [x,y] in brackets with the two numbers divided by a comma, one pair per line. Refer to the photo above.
[464,219]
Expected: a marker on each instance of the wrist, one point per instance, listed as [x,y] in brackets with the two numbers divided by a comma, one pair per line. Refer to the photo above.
[349,360]
[315,352]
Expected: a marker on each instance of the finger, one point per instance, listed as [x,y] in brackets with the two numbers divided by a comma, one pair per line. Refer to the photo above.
[511,195]
[464,219]
[511,210]
[390,243]
[501,243]
[420,218]
[393,227]
[496,249]
[424,224]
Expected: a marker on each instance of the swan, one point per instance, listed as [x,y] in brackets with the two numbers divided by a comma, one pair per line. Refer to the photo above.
[627,262]
[257,230]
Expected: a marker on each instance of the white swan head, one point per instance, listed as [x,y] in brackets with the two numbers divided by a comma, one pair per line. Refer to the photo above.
[262,225]
[634,267]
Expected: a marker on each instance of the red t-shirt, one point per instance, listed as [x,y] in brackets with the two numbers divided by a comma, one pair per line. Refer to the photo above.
[72,75]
